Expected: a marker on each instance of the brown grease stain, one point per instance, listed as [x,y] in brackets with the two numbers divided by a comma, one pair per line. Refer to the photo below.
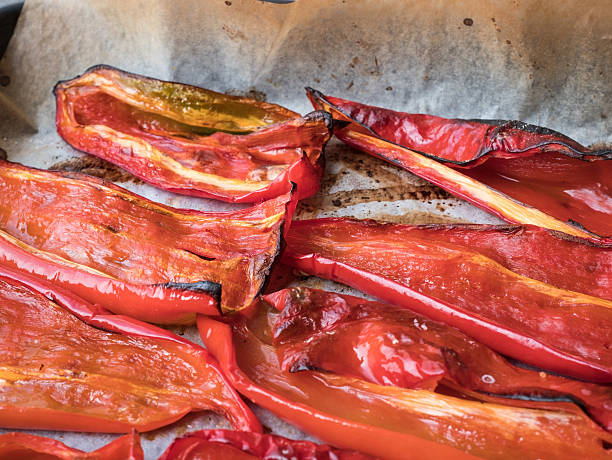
[94,166]
[386,183]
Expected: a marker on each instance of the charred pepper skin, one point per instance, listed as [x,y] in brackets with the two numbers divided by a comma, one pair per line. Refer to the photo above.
[522,173]
[243,445]
[190,140]
[131,255]
[451,277]
[72,366]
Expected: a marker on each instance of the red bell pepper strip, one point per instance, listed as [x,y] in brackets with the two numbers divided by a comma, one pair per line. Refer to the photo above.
[243,445]
[388,422]
[191,140]
[390,345]
[521,173]
[131,255]
[452,281]
[22,446]
[70,365]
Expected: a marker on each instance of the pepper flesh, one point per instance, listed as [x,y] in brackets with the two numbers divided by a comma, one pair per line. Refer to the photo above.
[388,422]
[390,345]
[190,140]
[22,446]
[457,282]
[131,255]
[68,365]
[242,445]
[522,173]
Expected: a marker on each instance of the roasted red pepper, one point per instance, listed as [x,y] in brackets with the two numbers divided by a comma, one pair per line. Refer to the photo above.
[191,140]
[522,173]
[68,365]
[22,446]
[388,422]
[452,275]
[390,345]
[131,255]
[242,445]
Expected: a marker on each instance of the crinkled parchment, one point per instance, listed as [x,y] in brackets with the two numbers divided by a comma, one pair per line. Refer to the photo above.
[544,62]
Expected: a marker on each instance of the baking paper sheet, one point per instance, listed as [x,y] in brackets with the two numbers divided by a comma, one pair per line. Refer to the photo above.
[544,62]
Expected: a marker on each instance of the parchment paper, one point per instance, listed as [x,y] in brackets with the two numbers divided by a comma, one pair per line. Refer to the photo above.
[543,62]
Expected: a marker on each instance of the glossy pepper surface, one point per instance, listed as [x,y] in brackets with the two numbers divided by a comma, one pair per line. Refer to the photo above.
[131,255]
[243,445]
[22,446]
[453,275]
[389,345]
[387,422]
[191,140]
[522,173]
[68,365]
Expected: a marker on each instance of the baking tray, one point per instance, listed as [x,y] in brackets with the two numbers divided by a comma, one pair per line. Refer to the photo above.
[546,63]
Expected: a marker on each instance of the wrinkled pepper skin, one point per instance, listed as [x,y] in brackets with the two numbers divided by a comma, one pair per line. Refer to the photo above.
[477,288]
[69,365]
[22,446]
[191,140]
[242,445]
[389,345]
[131,255]
[383,421]
[522,173]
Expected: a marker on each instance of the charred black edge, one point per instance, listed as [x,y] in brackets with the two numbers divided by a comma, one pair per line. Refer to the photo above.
[151,79]
[319,95]
[211,288]
[321,115]
[563,140]
[280,247]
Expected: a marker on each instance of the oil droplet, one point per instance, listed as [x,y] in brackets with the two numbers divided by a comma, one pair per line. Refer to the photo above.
[486,378]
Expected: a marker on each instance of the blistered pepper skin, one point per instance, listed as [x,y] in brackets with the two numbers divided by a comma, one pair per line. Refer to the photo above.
[72,366]
[522,173]
[190,140]
[474,287]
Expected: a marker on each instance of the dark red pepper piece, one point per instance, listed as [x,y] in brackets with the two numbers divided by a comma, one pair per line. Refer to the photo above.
[522,173]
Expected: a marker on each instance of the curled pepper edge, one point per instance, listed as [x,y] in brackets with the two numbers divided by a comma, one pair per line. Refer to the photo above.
[266,106]
[337,431]
[498,338]
[448,178]
[606,154]
[98,317]
[294,173]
